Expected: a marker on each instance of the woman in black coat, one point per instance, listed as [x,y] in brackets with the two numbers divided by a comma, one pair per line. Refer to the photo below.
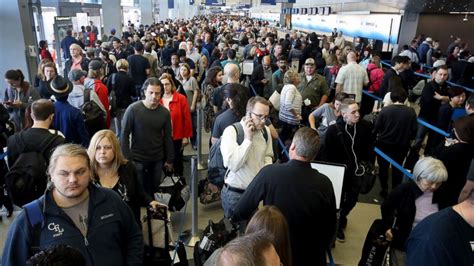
[111,170]
[411,202]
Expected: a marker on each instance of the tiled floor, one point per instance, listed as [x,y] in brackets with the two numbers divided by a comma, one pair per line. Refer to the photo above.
[347,253]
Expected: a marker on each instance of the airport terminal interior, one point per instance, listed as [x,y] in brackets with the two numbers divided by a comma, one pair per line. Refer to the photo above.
[374,97]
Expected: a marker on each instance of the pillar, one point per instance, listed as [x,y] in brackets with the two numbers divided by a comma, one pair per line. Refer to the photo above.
[20,45]
[112,16]
[163,13]
[146,10]
[408,28]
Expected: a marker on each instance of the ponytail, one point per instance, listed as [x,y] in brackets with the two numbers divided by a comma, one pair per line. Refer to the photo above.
[16,75]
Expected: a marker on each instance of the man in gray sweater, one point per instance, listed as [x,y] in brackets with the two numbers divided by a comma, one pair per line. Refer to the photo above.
[149,123]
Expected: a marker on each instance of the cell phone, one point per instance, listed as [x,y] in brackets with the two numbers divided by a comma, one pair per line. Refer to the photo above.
[249,118]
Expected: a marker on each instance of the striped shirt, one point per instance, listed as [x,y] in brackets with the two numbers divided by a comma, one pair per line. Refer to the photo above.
[290,99]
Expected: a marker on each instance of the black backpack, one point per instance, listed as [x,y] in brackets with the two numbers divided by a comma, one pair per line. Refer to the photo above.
[216,171]
[94,116]
[27,179]
[214,236]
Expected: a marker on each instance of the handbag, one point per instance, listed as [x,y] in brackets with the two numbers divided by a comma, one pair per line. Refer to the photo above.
[367,179]
[375,251]
[173,192]
[275,100]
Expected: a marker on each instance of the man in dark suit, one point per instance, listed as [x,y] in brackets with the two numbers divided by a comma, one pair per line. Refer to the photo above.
[304,196]
[261,78]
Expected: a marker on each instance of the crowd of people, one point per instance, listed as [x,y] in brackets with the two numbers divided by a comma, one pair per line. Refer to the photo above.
[304,89]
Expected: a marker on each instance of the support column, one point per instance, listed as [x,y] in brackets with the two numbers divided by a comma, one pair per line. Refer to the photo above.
[407,30]
[173,12]
[285,19]
[112,17]
[22,46]
[163,14]
[146,9]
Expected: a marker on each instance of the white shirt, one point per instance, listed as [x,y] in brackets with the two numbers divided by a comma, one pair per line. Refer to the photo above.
[246,160]
[353,77]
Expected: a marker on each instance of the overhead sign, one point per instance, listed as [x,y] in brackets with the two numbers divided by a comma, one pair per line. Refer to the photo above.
[170,4]
[376,26]
[268,2]
[215,3]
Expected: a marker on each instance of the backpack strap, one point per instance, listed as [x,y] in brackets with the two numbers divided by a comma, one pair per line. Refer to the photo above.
[112,79]
[87,95]
[239,129]
[35,218]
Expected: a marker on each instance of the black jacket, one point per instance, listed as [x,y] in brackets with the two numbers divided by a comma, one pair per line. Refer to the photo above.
[68,65]
[430,106]
[306,199]
[400,203]
[257,76]
[124,88]
[135,194]
[338,150]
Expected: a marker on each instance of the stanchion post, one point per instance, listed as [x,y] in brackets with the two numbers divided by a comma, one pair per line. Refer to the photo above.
[201,165]
[190,237]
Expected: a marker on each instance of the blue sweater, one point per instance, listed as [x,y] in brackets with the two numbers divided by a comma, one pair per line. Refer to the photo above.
[70,121]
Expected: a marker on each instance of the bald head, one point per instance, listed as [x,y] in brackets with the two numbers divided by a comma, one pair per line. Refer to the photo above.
[232,73]
[266,61]
[351,57]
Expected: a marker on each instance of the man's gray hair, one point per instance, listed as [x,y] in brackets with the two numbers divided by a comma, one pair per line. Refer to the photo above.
[246,250]
[307,143]
[430,169]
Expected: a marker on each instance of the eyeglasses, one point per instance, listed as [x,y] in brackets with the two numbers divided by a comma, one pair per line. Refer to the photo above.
[260,117]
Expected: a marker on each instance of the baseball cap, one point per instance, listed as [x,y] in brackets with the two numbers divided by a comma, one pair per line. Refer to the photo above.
[76,74]
[95,65]
[428,39]
[310,61]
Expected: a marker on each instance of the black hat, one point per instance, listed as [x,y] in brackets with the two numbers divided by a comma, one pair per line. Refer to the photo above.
[60,86]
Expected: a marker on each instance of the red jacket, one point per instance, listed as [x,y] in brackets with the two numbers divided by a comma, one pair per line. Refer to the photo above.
[45,54]
[180,117]
[376,77]
[103,94]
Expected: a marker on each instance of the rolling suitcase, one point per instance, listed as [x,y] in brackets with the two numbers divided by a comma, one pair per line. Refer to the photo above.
[156,225]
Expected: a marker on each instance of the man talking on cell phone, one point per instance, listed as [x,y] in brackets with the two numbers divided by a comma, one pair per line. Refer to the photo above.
[246,148]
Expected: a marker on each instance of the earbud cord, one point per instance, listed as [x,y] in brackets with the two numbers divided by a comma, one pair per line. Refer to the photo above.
[357,170]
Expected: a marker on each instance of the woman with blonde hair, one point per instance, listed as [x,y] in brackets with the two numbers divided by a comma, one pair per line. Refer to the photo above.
[110,169]
[176,103]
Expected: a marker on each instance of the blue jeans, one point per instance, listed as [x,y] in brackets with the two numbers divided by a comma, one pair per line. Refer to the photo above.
[149,176]
[229,199]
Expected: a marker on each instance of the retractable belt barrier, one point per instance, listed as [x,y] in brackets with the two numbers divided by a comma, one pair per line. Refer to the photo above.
[393,163]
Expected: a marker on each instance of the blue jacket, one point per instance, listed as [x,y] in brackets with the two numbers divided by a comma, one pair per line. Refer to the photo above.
[70,121]
[113,236]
